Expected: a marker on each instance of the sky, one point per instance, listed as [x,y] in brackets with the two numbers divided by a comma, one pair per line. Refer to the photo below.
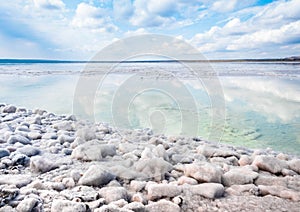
[78,29]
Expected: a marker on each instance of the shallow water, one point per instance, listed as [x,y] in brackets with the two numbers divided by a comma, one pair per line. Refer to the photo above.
[262,100]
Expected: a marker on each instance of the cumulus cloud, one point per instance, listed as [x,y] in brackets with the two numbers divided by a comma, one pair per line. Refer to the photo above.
[146,14]
[49,4]
[256,32]
[88,16]
[123,9]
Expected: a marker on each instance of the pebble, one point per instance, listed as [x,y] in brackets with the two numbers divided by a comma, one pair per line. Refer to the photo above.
[4,153]
[162,206]
[18,138]
[111,194]
[39,164]
[65,205]
[157,191]
[204,172]
[208,190]
[239,176]
[269,163]
[29,204]
[96,176]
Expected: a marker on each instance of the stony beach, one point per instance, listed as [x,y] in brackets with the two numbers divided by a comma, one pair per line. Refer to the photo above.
[59,163]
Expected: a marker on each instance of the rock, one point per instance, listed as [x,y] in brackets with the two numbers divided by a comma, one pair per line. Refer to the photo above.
[85,193]
[203,172]
[127,173]
[209,151]
[34,120]
[96,176]
[41,165]
[29,204]
[65,138]
[86,133]
[65,205]
[208,190]
[135,206]
[111,194]
[240,189]
[75,175]
[29,150]
[294,165]
[288,172]
[9,109]
[64,125]
[156,191]
[279,191]
[119,203]
[153,168]
[269,180]
[34,135]
[270,164]
[19,180]
[245,160]
[137,186]
[162,206]
[18,138]
[19,159]
[68,182]
[92,150]
[4,153]
[187,180]
[239,176]
[49,135]
[138,197]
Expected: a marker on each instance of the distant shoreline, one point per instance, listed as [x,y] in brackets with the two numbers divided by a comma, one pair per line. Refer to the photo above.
[288,59]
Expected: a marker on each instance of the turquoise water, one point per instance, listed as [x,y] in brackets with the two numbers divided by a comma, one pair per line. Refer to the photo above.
[262,100]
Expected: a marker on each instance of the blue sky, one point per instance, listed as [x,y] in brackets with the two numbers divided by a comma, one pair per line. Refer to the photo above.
[77,29]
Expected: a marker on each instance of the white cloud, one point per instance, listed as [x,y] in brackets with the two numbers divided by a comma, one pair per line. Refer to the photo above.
[289,33]
[97,19]
[49,4]
[147,15]
[256,33]
[123,9]
[224,5]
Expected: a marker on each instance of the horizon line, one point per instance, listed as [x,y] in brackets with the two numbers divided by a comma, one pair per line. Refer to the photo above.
[36,60]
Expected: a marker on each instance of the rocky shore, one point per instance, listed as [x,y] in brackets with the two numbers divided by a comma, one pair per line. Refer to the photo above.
[59,164]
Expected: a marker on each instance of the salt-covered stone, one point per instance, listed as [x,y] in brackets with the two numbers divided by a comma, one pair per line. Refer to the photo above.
[29,204]
[93,150]
[153,168]
[29,150]
[269,163]
[208,190]
[41,165]
[18,138]
[66,205]
[111,194]
[294,165]
[239,176]
[156,191]
[96,176]
[4,153]
[9,109]
[162,206]
[19,180]
[203,172]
